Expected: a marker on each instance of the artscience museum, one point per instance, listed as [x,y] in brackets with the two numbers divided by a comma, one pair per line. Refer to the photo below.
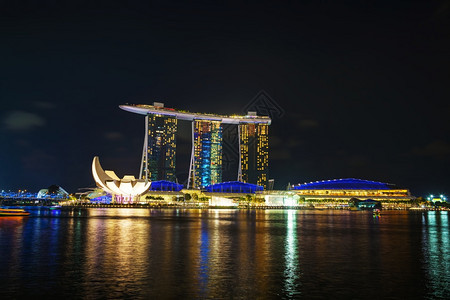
[125,190]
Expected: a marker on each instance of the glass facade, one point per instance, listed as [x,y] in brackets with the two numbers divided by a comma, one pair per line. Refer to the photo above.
[207,152]
[254,149]
[159,163]
[205,167]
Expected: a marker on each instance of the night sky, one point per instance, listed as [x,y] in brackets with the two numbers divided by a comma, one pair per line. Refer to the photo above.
[355,89]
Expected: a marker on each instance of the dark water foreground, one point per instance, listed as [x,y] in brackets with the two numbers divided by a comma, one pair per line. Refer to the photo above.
[265,254]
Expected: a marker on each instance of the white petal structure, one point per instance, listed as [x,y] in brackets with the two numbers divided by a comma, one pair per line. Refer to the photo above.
[111,183]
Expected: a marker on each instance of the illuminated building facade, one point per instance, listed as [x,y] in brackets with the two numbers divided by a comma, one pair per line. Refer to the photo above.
[158,157]
[346,189]
[234,187]
[254,153]
[206,160]
[125,190]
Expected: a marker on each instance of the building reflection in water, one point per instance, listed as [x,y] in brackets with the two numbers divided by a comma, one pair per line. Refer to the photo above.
[115,252]
[208,254]
[291,271]
[204,258]
[10,229]
[436,249]
[263,253]
[232,254]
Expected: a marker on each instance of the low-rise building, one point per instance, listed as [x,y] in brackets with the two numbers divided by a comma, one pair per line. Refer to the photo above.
[341,191]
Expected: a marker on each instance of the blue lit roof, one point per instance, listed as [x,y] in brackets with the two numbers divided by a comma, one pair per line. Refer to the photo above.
[166,186]
[343,184]
[234,187]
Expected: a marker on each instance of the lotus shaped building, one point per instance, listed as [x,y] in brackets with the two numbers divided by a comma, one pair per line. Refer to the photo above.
[125,190]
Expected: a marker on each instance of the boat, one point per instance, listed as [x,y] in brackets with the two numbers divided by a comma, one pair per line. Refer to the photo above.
[5,212]
[53,207]
[376,213]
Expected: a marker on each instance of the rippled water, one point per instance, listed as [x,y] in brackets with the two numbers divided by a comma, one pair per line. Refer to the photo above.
[140,253]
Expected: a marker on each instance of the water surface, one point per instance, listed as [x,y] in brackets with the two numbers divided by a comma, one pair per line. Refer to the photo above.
[250,254]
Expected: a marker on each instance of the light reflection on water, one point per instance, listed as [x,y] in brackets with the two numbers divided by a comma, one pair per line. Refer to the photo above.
[139,253]
[437,253]
[291,272]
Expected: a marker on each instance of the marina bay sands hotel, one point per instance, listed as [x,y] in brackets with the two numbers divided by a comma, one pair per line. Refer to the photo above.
[158,155]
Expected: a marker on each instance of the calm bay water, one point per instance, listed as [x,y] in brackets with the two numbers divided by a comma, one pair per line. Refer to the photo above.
[140,253]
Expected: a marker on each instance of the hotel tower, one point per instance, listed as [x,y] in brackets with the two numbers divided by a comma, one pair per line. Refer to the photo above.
[158,155]
[254,153]
[206,157]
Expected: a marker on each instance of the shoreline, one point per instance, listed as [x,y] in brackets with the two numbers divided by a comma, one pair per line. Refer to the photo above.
[205,207]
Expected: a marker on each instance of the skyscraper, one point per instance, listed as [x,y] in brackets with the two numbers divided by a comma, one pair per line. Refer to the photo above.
[206,161]
[158,156]
[254,152]
[158,159]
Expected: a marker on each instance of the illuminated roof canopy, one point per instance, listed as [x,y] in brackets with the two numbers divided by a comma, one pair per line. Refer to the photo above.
[343,184]
[234,187]
[164,185]
[144,109]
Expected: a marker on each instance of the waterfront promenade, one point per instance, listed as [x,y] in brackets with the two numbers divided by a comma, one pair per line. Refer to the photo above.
[202,205]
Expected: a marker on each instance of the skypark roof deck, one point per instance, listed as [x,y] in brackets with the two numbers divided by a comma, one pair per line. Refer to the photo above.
[144,109]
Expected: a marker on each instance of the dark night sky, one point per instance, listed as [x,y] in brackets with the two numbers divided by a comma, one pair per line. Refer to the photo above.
[364,87]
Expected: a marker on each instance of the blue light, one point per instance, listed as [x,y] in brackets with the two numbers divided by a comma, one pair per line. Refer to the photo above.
[164,185]
[234,187]
[344,184]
